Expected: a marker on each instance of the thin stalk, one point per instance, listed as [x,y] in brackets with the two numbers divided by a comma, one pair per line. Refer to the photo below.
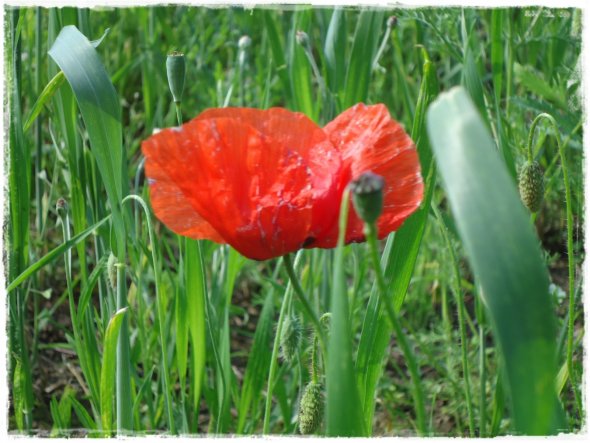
[303,299]
[482,386]
[275,355]
[509,68]
[178,113]
[124,397]
[383,45]
[38,137]
[570,246]
[417,392]
[160,312]
[462,321]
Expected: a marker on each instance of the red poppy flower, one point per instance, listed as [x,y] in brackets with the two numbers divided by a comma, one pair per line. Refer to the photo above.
[269,182]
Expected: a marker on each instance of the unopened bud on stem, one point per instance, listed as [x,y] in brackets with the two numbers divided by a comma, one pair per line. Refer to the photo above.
[176,70]
[367,196]
[302,38]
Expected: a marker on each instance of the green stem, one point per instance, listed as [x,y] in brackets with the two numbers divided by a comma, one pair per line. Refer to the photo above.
[303,300]
[462,321]
[38,134]
[178,113]
[275,354]
[371,235]
[482,387]
[382,47]
[570,246]
[314,358]
[160,312]
[124,398]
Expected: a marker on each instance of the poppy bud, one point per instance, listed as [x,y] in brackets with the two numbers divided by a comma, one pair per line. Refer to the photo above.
[302,38]
[112,271]
[176,69]
[311,409]
[290,337]
[367,196]
[531,186]
[392,21]
[244,42]
[61,205]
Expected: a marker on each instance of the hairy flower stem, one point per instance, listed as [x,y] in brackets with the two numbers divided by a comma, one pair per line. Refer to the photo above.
[462,321]
[417,393]
[275,357]
[159,312]
[570,245]
[304,302]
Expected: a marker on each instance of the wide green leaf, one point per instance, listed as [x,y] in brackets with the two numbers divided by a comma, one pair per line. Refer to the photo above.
[101,111]
[504,254]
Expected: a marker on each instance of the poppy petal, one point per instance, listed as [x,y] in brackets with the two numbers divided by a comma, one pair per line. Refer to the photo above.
[255,192]
[370,140]
[172,207]
[295,131]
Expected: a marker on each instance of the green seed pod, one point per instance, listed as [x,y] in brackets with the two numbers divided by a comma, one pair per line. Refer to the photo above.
[311,409]
[112,271]
[531,186]
[176,70]
[367,196]
[290,337]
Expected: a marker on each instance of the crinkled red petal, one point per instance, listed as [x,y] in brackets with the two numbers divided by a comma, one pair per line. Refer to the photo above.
[171,205]
[370,140]
[252,177]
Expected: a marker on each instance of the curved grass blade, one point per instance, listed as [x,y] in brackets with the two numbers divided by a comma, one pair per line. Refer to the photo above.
[504,255]
[53,254]
[100,109]
[107,372]
[46,95]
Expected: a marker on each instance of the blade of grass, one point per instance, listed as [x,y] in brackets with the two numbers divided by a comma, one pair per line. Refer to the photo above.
[53,254]
[362,54]
[504,256]
[258,363]
[344,412]
[107,374]
[335,54]
[18,234]
[299,68]
[196,292]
